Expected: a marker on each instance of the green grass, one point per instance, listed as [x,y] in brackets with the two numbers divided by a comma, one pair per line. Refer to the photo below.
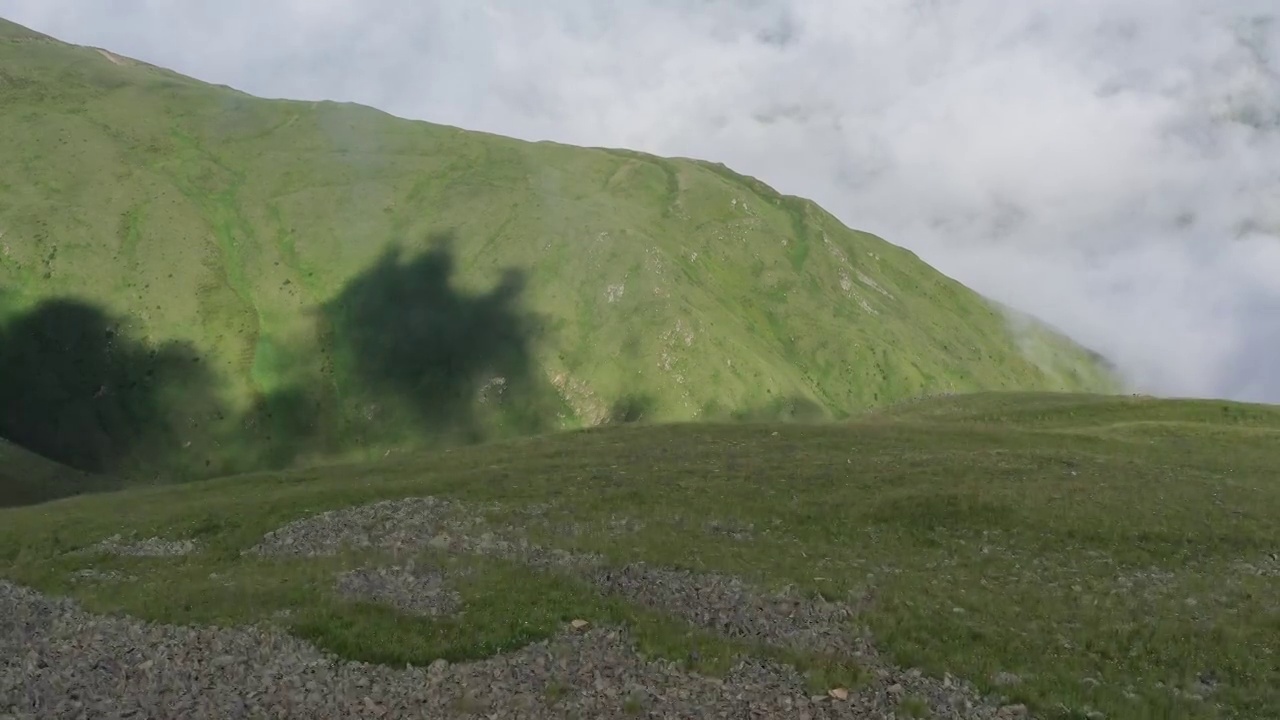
[1037,535]
[914,707]
[195,213]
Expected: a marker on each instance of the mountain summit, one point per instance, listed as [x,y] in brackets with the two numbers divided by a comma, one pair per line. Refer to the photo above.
[196,281]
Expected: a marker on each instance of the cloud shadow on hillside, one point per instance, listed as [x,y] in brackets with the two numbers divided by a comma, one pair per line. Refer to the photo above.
[78,389]
[632,408]
[405,340]
[402,353]
[788,409]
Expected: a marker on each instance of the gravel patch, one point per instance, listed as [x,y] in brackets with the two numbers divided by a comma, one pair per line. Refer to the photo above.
[515,549]
[620,525]
[719,603]
[1150,583]
[734,531]
[58,661]
[408,526]
[394,525]
[1265,566]
[149,547]
[730,607]
[91,575]
[407,589]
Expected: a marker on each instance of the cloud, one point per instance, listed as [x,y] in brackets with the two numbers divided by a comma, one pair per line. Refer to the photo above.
[1111,166]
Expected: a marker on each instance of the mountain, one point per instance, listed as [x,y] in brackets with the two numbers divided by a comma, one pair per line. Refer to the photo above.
[195,281]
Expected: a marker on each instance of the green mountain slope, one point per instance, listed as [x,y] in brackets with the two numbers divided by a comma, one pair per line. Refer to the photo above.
[280,281]
[1111,568]
[27,478]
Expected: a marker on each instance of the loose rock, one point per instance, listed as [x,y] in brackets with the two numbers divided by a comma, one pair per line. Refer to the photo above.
[719,603]
[149,547]
[89,574]
[415,592]
[57,661]
[728,606]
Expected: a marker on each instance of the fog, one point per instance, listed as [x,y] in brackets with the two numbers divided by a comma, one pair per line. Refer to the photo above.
[1112,167]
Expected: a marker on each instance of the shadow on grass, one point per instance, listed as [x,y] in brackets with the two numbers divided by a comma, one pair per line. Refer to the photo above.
[632,408]
[409,344]
[406,355]
[77,388]
[402,357]
[792,409]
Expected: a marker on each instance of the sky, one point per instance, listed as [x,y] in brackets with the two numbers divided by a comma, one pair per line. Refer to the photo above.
[1109,166]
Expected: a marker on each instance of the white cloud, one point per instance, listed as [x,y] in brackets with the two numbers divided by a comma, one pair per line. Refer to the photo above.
[1112,166]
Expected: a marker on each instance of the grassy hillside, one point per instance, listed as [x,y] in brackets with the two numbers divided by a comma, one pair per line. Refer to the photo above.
[28,478]
[1081,555]
[324,280]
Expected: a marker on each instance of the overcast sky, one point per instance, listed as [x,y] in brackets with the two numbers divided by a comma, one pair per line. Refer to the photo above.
[1112,166]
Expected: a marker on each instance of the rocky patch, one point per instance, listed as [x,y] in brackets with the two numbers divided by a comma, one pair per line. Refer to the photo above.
[408,589]
[149,547]
[58,661]
[728,606]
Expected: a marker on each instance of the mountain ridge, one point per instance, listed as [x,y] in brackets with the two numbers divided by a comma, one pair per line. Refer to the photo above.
[599,284]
